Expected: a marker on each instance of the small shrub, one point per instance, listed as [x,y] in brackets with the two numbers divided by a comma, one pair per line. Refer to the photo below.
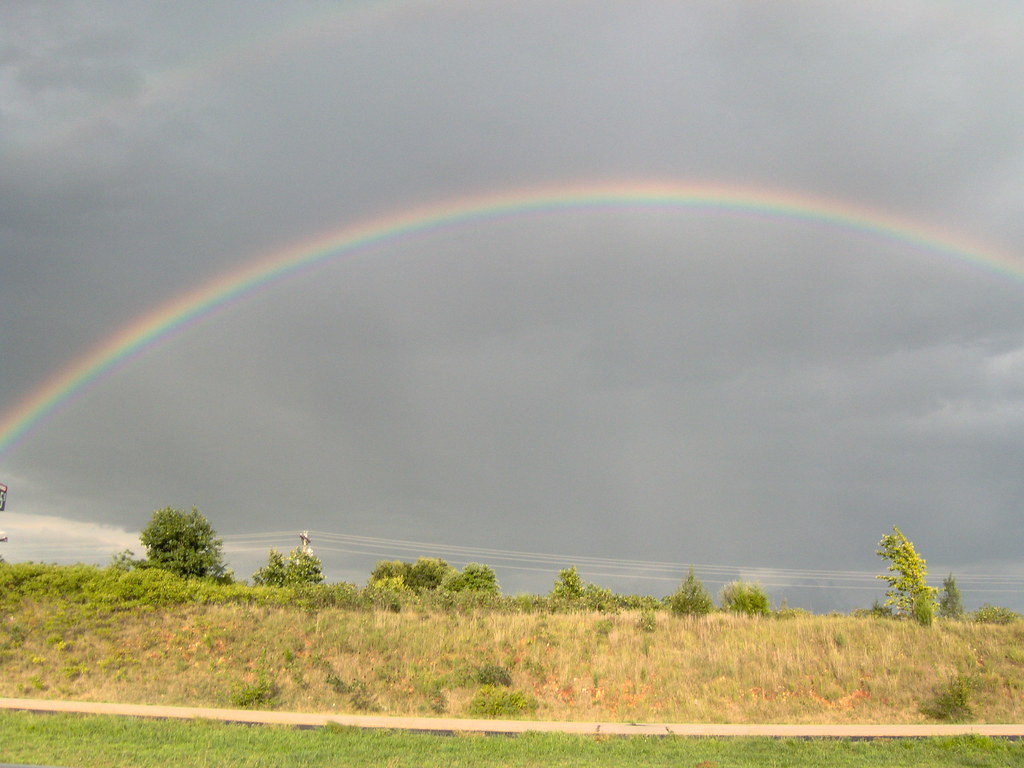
[924,609]
[490,701]
[647,621]
[361,697]
[691,598]
[604,627]
[568,586]
[952,701]
[336,683]
[743,597]
[493,675]
[994,614]
[257,694]
[438,700]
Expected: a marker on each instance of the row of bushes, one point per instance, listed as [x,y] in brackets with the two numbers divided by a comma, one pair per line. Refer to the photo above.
[113,588]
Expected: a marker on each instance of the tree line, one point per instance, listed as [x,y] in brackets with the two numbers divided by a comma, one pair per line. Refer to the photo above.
[185,543]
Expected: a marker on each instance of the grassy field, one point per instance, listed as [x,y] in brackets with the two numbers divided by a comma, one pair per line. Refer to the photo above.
[105,742]
[561,666]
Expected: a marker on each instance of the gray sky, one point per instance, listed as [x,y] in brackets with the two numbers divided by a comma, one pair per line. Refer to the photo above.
[760,396]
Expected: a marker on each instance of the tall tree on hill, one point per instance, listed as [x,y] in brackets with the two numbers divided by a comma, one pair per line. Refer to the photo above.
[907,574]
[184,543]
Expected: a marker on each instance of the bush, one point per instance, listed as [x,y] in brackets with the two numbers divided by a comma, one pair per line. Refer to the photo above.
[568,586]
[952,701]
[475,577]
[500,702]
[924,609]
[257,694]
[493,675]
[746,598]
[994,614]
[691,598]
[647,621]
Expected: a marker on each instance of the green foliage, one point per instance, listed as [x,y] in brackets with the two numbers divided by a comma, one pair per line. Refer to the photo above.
[924,609]
[301,568]
[490,701]
[274,573]
[994,614]
[493,675]
[908,573]
[950,603]
[125,560]
[425,575]
[183,543]
[691,598]
[647,621]
[597,598]
[952,701]
[744,597]
[257,694]
[475,577]
[568,586]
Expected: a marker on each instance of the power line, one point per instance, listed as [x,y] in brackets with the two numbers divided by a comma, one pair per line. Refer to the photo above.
[607,567]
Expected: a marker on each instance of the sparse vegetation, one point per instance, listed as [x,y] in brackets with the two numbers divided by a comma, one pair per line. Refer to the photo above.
[148,636]
[952,701]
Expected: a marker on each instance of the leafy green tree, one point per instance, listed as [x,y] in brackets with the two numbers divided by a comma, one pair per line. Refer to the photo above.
[568,585]
[425,575]
[389,570]
[908,574]
[183,543]
[274,573]
[743,597]
[691,598]
[301,568]
[951,605]
[474,577]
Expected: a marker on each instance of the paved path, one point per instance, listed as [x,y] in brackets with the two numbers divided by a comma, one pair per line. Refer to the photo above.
[453,725]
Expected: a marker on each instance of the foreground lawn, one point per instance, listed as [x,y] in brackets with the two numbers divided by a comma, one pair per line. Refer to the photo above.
[100,741]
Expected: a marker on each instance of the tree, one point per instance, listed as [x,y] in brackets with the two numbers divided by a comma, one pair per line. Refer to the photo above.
[743,597]
[907,585]
[568,585]
[183,543]
[475,577]
[302,567]
[425,575]
[951,605]
[691,598]
[274,573]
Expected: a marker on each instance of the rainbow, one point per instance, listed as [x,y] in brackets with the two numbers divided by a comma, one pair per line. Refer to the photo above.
[204,301]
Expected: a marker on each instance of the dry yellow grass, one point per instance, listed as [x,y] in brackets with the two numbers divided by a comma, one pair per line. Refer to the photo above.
[721,668]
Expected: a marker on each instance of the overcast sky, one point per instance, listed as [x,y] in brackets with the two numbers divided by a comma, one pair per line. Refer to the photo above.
[759,395]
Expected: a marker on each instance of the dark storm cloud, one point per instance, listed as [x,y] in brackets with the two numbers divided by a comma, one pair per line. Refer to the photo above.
[679,386]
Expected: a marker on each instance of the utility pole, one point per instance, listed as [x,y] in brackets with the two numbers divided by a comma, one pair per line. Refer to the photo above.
[304,538]
[3,505]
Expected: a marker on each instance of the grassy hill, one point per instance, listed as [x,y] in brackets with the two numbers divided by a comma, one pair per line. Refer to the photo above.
[99,634]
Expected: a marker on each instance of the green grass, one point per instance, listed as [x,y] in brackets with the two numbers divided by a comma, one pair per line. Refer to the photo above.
[101,741]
